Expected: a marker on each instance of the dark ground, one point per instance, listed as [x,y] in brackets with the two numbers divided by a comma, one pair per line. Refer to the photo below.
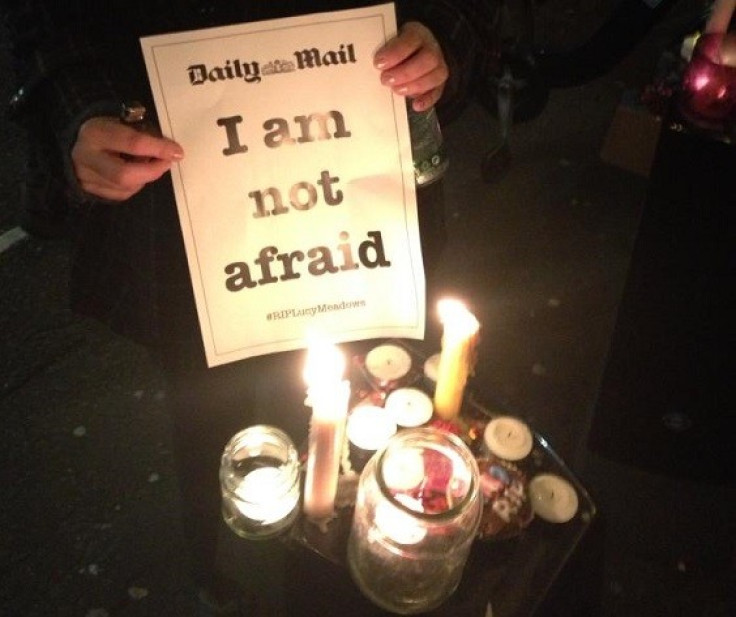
[89,521]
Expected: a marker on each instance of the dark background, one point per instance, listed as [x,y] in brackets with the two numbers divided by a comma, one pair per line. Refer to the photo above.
[89,513]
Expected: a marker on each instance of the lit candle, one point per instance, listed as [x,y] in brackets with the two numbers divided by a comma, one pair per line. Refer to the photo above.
[388,363]
[328,395]
[259,478]
[370,427]
[457,357]
[403,470]
[553,498]
[262,498]
[409,407]
[400,526]
[508,438]
[431,365]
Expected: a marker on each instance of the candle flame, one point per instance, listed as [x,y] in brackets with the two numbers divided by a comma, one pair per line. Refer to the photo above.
[454,313]
[325,364]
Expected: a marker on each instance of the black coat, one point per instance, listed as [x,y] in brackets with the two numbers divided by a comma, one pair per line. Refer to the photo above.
[81,58]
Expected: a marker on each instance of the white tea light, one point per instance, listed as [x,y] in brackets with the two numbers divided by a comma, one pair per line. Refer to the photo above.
[262,498]
[553,498]
[388,363]
[403,470]
[508,438]
[398,525]
[370,427]
[431,367]
[409,407]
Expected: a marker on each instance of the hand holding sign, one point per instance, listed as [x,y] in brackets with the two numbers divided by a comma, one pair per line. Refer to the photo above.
[297,197]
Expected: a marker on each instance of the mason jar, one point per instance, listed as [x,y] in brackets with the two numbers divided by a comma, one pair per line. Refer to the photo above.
[259,481]
[416,515]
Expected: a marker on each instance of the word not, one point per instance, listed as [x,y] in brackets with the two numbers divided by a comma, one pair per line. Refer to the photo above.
[370,254]
[302,196]
[309,128]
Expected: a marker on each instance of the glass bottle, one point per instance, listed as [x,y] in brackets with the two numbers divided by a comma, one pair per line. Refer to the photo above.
[427,146]
[416,516]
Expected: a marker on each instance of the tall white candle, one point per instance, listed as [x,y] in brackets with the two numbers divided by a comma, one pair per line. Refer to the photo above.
[327,395]
[457,358]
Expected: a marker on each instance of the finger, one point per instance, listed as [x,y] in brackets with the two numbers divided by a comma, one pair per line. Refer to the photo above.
[411,38]
[427,100]
[422,62]
[109,193]
[113,171]
[144,145]
[110,135]
[416,84]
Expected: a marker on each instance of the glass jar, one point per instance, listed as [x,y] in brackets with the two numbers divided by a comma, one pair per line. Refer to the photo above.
[416,515]
[259,480]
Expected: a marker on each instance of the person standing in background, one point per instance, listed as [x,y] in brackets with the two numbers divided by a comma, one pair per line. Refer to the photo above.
[77,63]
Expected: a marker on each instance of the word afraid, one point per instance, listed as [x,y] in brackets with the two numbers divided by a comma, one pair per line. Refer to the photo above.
[317,261]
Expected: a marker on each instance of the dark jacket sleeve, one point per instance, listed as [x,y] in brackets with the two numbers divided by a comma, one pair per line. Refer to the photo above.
[59,53]
[462,28]
[72,60]
[79,58]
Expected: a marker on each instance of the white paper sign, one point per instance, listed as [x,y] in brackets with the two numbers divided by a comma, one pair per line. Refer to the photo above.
[296,194]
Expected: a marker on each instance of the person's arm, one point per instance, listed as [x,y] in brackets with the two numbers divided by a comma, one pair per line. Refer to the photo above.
[456,28]
[721,14]
[75,62]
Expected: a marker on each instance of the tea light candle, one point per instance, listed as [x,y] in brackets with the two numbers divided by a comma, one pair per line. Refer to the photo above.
[370,427]
[328,395]
[404,470]
[553,498]
[508,438]
[409,407]
[431,365]
[457,357]
[388,363]
[401,527]
[262,496]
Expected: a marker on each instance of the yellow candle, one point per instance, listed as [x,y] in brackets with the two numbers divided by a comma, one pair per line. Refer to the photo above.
[327,395]
[457,359]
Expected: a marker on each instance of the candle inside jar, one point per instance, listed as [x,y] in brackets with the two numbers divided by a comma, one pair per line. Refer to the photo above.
[403,470]
[388,363]
[508,438]
[398,525]
[261,494]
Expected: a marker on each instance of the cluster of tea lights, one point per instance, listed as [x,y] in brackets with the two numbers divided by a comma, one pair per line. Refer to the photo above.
[367,428]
